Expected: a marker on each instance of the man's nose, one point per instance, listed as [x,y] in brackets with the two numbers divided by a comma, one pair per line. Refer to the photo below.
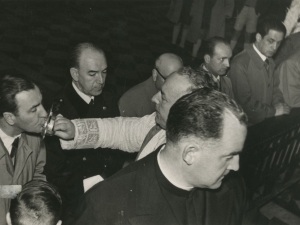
[226,63]
[100,79]
[235,163]
[43,112]
[155,98]
[275,45]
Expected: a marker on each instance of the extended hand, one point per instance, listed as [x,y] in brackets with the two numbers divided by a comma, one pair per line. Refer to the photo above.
[64,128]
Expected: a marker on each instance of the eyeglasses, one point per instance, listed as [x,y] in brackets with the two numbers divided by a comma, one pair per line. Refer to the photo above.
[164,78]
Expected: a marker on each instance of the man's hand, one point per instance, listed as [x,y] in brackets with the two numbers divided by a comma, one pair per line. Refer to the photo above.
[64,128]
[282,108]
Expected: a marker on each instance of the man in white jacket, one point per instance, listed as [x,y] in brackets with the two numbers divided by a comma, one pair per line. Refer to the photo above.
[141,135]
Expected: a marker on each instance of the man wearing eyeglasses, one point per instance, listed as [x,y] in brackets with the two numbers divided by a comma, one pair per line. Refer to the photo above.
[136,102]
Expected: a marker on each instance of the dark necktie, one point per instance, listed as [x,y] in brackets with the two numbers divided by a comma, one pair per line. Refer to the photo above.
[267,64]
[92,101]
[14,149]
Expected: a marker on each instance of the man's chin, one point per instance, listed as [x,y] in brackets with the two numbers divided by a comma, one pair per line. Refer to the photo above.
[159,122]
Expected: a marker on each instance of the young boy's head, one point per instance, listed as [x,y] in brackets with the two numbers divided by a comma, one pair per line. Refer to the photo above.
[39,203]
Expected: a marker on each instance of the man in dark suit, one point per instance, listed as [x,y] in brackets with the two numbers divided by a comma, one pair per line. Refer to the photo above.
[187,181]
[74,171]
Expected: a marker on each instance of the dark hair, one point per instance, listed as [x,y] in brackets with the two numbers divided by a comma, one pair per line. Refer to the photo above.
[77,50]
[210,45]
[201,114]
[265,26]
[10,86]
[197,78]
[39,203]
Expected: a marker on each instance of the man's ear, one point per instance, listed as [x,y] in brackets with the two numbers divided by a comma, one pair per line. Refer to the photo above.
[188,154]
[154,75]
[74,74]
[207,58]
[8,219]
[258,37]
[9,118]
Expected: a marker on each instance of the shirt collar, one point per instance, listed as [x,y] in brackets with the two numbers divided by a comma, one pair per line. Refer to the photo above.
[7,140]
[263,57]
[216,79]
[85,97]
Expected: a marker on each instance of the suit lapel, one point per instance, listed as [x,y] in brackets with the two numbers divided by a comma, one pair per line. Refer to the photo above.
[22,156]
[260,64]
[4,153]
[77,103]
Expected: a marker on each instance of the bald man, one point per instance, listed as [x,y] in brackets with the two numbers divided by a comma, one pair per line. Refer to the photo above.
[136,102]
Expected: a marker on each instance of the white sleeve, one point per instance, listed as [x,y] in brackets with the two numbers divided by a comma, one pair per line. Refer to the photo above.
[124,133]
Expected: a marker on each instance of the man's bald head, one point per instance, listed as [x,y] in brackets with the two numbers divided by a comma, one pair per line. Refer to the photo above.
[165,64]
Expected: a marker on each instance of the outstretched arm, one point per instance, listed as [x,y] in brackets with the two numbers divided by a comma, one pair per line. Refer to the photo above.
[122,133]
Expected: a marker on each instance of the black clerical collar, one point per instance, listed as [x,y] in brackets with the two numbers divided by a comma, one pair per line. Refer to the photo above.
[163,181]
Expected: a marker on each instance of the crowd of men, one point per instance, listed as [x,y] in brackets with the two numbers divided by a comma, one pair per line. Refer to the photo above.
[187,126]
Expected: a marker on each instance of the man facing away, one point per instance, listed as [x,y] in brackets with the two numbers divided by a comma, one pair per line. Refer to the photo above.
[136,102]
[217,54]
[85,97]
[187,181]
[134,134]
[252,74]
[22,151]
[39,203]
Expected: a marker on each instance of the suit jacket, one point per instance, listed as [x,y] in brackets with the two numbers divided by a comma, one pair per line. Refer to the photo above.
[254,88]
[30,161]
[68,169]
[133,196]
[290,46]
[225,82]
[136,102]
[289,76]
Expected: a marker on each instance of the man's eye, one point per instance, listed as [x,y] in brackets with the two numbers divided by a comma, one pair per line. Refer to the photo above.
[229,157]
[92,74]
[33,110]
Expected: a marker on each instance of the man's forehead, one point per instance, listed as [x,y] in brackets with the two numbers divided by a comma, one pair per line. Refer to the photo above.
[88,55]
[176,84]
[222,50]
[28,98]
[275,35]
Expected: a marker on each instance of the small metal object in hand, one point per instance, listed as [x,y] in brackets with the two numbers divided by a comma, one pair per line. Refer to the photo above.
[47,128]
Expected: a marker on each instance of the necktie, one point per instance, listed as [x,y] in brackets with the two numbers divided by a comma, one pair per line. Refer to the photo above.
[92,101]
[14,149]
[154,130]
[266,64]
